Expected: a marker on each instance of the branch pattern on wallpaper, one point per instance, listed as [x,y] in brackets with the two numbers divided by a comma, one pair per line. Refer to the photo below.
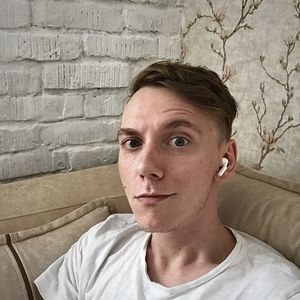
[269,137]
[217,17]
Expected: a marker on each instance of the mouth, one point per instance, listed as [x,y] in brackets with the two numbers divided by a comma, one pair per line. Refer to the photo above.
[152,199]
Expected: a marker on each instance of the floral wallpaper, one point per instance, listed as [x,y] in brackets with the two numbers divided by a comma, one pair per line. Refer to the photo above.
[254,46]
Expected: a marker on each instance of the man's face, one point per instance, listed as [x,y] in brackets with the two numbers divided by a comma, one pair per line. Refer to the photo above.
[169,155]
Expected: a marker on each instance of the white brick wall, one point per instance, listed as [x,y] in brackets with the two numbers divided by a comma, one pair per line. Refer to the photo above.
[39,47]
[79,132]
[126,47]
[154,20]
[81,76]
[14,13]
[133,47]
[81,15]
[21,164]
[20,80]
[89,156]
[106,104]
[41,108]
[64,71]
[19,138]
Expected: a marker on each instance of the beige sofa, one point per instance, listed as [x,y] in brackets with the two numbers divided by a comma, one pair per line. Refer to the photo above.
[41,218]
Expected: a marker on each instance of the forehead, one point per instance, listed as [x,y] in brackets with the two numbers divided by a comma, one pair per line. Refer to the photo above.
[156,107]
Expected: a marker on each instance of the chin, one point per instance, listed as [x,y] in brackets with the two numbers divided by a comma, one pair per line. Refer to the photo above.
[154,219]
[153,224]
[147,225]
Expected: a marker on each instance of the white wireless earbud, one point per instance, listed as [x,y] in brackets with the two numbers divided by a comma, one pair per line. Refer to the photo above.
[225,163]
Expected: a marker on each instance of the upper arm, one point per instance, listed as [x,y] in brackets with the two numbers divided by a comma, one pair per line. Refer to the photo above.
[61,279]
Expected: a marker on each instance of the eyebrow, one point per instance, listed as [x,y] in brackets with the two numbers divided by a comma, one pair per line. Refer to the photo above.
[182,123]
[172,125]
[127,131]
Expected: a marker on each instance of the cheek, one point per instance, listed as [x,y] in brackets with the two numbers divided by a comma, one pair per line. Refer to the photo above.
[126,173]
[190,164]
[194,173]
[122,168]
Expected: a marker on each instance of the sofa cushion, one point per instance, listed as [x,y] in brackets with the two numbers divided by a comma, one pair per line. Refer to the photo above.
[26,254]
[266,207]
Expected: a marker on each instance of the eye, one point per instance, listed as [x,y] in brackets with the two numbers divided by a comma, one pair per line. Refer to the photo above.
[132,143]
[179,141]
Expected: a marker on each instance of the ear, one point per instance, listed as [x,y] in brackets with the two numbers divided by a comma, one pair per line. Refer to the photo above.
[229,151]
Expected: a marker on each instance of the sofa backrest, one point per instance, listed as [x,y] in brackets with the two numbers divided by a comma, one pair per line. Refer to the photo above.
[263,206]
[29,203]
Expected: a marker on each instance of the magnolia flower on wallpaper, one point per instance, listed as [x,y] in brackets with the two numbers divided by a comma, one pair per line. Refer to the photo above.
[270,137]
[218,28]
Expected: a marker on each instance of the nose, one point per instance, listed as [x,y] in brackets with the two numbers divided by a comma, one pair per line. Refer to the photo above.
[150,164]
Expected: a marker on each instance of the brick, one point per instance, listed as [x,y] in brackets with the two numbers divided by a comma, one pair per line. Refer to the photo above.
[14,13]
[91,156]
[41,108]
[77,15]
[38,47]
[18,81]
[171,3]
[106,104]
[29,163]
[73,106]
[13,139]
[169,47]
[8,47]
[153,20]
[79,76]
[79,132]
[132,47]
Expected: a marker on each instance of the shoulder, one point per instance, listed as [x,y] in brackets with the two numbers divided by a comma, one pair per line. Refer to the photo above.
[64,278]
[265,259]
[114,223]
[113,226]
[116,230]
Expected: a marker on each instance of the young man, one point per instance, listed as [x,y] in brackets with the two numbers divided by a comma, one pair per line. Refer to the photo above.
[175,151]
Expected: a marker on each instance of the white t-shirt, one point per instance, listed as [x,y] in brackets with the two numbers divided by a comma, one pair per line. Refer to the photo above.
[108,262]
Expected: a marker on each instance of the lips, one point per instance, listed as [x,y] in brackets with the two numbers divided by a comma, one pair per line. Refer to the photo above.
[151,199]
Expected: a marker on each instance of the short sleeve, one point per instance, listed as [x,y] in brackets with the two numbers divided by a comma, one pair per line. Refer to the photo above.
[60,280]
[67,277]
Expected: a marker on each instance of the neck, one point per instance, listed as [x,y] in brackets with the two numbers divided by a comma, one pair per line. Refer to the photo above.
[185,254]
[207,242]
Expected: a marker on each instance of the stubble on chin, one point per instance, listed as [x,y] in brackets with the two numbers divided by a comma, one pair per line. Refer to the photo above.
[149,223]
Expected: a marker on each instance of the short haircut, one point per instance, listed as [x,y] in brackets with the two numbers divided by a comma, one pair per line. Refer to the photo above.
[198,85]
